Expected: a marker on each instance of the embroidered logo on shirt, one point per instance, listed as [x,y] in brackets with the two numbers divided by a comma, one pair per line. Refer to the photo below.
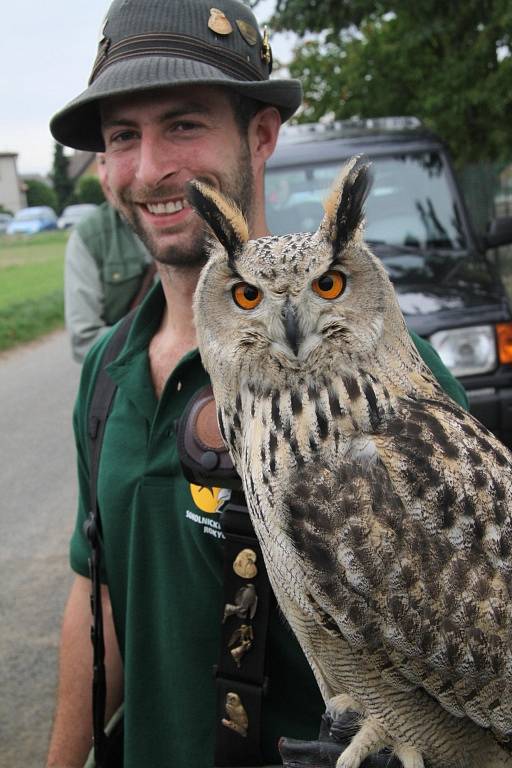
[208,500]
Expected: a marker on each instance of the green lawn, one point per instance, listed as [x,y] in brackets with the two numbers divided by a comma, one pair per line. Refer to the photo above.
[31,286]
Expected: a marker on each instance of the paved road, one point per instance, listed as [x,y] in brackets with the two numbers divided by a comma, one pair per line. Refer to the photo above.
[37,502]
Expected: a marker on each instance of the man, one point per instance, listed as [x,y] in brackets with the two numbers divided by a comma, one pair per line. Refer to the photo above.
[179,90]
[107,271]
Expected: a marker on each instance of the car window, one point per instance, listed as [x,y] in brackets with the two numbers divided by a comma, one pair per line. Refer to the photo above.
[78,210]
[29,214]
[410,203]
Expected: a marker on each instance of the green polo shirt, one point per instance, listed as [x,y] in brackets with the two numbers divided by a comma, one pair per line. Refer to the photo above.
[163,564]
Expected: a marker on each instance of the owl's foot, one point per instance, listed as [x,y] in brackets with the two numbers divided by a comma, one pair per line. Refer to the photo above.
[367,737]
[409,757]
[339,705]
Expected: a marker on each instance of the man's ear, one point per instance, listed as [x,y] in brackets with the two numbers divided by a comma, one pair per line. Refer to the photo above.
[262,135]
[344,207]
[222,214]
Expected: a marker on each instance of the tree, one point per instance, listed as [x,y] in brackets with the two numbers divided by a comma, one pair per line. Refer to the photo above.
[39,193]
[62,184]
[447,63]
[88,190]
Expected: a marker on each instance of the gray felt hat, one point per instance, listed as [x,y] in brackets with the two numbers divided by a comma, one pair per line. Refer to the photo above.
[150,44]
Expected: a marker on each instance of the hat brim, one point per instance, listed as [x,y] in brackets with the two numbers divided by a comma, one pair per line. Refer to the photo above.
[78,125]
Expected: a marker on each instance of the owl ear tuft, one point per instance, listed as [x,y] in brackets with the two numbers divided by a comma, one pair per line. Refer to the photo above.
[221,214]
[344,207]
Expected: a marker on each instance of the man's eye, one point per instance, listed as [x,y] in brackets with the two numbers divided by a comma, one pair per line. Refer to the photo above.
[185,126]
[121,137]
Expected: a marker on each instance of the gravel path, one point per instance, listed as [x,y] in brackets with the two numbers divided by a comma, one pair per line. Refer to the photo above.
[38,383]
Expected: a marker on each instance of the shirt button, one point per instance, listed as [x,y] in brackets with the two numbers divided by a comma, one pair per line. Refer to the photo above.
[172,429]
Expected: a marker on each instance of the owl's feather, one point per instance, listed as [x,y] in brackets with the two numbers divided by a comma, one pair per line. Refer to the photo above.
[382,508]
[223,216]
[344,204]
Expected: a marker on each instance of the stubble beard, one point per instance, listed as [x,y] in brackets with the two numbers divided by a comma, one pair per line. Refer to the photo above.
[238,185]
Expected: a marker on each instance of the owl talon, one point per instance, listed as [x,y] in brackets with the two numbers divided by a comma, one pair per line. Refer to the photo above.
[338,705]
[409,757]
[369,739]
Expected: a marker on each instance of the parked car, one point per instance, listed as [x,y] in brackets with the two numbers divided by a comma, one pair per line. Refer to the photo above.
[29,221]
[72,214]
[446,280]
[5,219]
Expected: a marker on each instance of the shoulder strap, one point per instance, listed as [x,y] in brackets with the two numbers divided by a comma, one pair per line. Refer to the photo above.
[99,410]
[101,402]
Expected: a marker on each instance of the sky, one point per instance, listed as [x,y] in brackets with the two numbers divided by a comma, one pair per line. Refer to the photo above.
[46,54]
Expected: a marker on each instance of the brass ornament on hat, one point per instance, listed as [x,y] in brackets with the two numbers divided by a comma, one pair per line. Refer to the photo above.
[219,23]
[236,719]
[248,32]
[266,50]
[240,642]
[244,564]
[244,605]
[101,56]
[103,27]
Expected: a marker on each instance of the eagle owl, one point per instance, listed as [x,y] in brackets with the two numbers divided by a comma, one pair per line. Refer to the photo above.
[382,508]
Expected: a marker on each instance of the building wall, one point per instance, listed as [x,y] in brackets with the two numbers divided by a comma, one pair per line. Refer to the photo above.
[11,196]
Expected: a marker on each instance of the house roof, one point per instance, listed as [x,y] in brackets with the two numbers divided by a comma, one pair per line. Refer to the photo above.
[79,162]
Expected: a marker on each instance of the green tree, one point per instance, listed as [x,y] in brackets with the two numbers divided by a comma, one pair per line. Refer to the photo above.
[448,63]
[39,193]
[62,184]
[88,190]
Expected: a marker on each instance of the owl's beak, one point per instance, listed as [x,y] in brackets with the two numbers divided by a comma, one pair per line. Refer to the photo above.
[291,327]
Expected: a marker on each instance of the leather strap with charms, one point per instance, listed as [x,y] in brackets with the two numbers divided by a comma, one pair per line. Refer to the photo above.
[240,676]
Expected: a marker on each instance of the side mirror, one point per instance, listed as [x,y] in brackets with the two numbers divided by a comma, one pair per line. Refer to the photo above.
[499,232]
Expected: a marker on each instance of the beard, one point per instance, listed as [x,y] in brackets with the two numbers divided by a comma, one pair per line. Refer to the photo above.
[238,185]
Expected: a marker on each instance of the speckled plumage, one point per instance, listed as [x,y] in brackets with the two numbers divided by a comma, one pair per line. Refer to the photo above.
[382,508]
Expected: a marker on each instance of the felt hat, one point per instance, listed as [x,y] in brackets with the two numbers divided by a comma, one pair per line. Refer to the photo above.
[147,44]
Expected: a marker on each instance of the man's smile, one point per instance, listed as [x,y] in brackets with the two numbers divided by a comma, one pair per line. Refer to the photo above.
[167,207]
[165,212]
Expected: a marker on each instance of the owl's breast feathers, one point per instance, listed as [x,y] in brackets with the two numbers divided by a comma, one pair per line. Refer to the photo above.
[396,515]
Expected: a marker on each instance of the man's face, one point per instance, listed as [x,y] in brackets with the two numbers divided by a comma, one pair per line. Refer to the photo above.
[156,142]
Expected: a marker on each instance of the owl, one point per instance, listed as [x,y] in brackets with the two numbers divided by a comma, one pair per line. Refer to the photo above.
[236,718]
[382,508]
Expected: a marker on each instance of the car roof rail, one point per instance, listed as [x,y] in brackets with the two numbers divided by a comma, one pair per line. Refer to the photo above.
[353,124]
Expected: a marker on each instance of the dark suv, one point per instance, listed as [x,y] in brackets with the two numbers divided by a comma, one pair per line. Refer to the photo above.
[447,283]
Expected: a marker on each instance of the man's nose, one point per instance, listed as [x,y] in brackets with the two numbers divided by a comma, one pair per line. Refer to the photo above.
[156,161]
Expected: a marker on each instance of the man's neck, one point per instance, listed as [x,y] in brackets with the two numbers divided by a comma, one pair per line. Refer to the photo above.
[176,335]
[178,286]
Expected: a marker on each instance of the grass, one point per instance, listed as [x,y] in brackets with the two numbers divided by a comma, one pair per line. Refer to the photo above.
[31,286]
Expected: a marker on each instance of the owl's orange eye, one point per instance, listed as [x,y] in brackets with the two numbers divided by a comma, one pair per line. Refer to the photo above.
[330,285]
[246,296]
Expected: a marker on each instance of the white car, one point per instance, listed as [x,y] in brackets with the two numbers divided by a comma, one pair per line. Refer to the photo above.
[5,219]
[72,214]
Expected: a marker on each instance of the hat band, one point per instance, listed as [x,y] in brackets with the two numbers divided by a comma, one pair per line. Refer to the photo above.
[179,46]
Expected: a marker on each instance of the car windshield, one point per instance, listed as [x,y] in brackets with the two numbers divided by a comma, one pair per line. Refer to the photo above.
[410,202]
[78,210]
[28,215]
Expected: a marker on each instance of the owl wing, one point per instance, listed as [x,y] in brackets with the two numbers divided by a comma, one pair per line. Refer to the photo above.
[408,546]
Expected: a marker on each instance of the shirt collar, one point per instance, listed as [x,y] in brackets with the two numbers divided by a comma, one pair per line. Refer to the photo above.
[130,370]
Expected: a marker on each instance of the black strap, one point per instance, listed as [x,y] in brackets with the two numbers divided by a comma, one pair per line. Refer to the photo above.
[101,404]
[246,679]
